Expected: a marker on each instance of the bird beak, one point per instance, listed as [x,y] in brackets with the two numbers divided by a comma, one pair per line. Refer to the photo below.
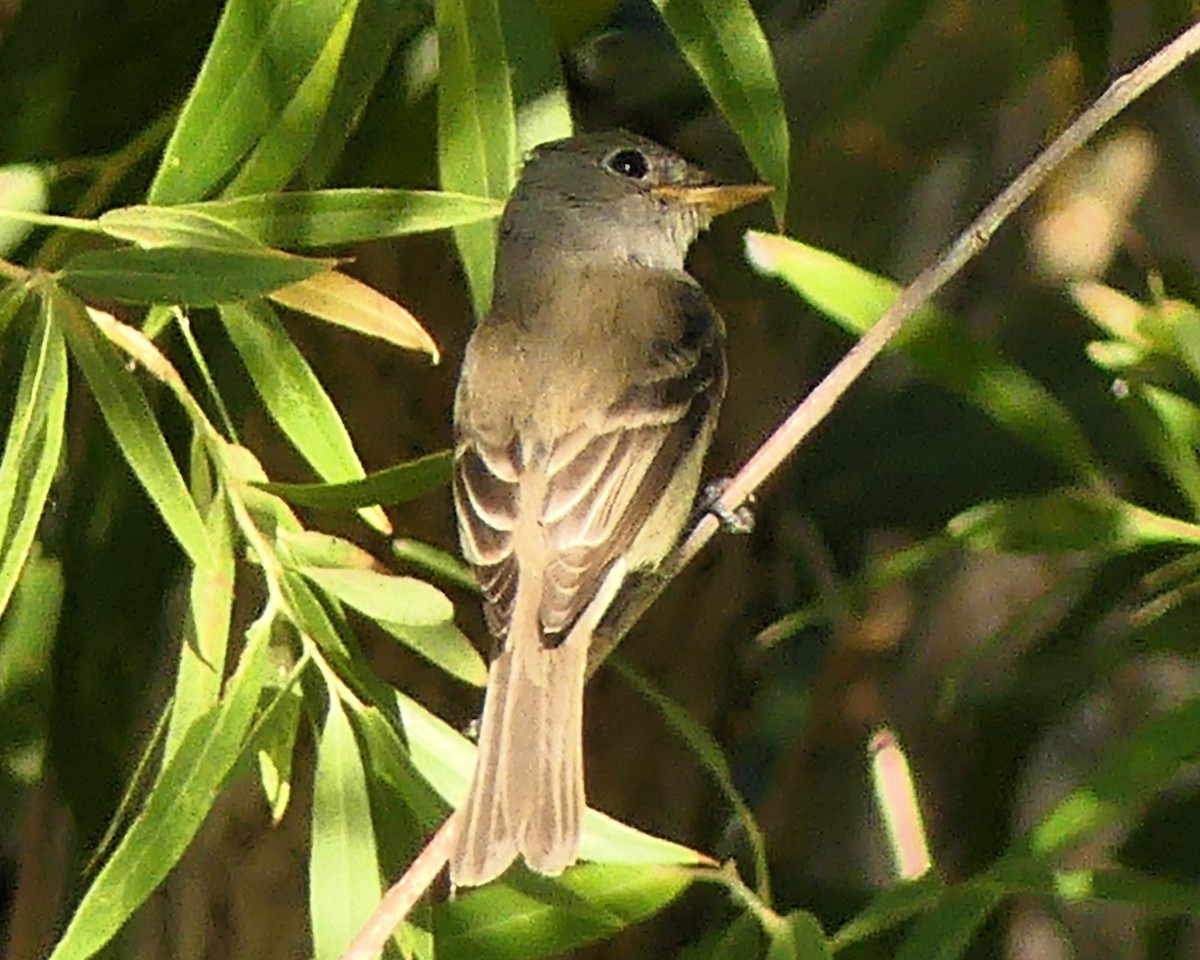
[713,199]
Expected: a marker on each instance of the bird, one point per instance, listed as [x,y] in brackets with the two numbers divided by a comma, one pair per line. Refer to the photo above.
[586,402]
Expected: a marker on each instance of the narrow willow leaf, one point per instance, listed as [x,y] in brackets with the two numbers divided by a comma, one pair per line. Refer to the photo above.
[276,750]
[197,276]
[294,396]
[741,940]
[398,484]
[798,937]
[1175,438]
[437,561]
[282,148]
[1066,520]
[350,303]
[538,88]
[33,445]
[446,760]
[890,908]
[27,632]
[588,903]
[150,226]
[725,45]
[206,632]
[330,218]
[343,870]
[258,58]
[477,127]
[946,932]
[310,548]
[443,645]
[174,810]
[23,187]
[392,767]
[941,348]
[381,596]
[12,298]
[131,421]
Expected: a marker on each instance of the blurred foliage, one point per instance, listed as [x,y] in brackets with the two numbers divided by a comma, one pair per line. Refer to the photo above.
[990,549]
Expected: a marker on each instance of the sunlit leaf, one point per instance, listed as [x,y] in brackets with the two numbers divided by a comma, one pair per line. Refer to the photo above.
[343,870]
[329,218]
[258,58]
[477,127]
[346,302]
[198,276]
[294,396]
[725,45]
[539,90]
[173,226]
[382,596]
[23,186]
[503,921]
[276,749]
[132,423]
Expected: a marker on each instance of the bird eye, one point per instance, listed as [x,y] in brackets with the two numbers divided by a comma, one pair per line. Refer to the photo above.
[629,163]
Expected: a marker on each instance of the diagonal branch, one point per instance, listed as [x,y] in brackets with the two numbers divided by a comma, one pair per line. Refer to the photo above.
[800,423]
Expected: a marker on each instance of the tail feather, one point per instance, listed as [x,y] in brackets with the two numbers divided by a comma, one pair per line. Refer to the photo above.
[527,795]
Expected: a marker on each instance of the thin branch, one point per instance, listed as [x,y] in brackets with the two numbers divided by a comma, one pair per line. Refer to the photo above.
[401,898]
[818,404]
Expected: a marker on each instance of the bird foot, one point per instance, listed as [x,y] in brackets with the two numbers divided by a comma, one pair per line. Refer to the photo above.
[740,520]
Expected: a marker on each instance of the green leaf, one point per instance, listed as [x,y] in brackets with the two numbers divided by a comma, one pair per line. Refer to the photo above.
[206,632]
[897,21]
[174,226]
[33,445]
[439,562]
[12,298]
[890,908]
[343,872]
[258,59]
[294,396]
[443,645]
[1174,437]
[588,903]
[1066,520]
[174,810]
[198,276]
[276,749]
[946,932]
[400,600]
[725,45]
[477,127]
[741,940]
[23,187]
[329,218]
[446,760]
[939,346]
[398,484]
[798,937]
[539,91]
[281,149]
[340,299]
[131,421]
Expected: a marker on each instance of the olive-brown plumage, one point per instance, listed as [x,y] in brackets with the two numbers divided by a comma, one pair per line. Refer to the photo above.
[586,402]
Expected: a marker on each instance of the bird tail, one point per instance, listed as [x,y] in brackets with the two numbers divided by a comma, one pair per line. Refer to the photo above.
[527,795]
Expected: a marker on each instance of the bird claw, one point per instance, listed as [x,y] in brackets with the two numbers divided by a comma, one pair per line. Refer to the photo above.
[739,520]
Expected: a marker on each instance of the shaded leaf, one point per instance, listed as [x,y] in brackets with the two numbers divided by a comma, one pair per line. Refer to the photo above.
[174,810]
[131,421]
[33,445]
[539,90]
[443,645]
[276,749]
[437,561]
[23,187]
[798,937]
[1066,520]
[946,932]
[294,396]
[890,908]
[329,218]
[198,276]
[941,348]
[398,484]
[725,45]
[350,303]
[343,870]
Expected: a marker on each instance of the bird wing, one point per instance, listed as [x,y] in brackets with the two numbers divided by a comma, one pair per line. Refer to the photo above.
[603,478]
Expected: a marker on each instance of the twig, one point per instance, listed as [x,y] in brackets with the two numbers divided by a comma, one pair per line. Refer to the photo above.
[400,899]
[404,894]
[818,404]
